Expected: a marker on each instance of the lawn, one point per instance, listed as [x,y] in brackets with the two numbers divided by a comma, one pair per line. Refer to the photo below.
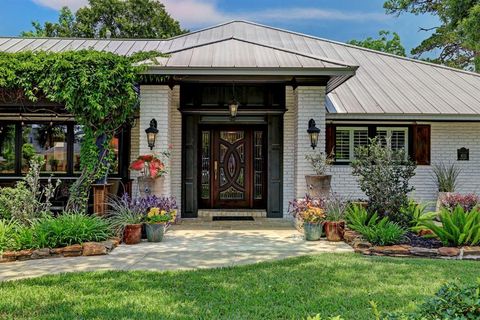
[328,284]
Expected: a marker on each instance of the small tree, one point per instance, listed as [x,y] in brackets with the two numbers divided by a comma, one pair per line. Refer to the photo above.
[384,174]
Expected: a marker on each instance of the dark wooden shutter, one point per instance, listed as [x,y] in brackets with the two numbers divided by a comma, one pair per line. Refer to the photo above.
[421,144]
[330,139]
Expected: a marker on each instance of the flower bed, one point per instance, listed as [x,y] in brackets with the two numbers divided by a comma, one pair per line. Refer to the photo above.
[76,250]
[405,250]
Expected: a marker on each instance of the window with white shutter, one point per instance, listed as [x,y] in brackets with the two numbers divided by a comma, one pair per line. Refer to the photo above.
[347,139]
[394,138]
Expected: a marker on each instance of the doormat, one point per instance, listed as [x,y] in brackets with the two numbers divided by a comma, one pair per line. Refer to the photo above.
[232,218]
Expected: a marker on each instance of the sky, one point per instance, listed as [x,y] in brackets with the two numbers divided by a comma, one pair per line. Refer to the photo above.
[340,20]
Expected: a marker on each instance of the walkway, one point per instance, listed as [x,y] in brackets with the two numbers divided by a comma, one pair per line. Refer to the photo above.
[192,244]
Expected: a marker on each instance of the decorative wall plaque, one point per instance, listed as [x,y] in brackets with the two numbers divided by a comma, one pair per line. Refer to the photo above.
[463,154]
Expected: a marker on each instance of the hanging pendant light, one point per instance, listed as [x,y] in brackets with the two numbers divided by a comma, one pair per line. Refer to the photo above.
[233,105]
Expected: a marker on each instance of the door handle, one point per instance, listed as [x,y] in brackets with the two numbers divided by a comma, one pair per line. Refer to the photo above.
[215,169]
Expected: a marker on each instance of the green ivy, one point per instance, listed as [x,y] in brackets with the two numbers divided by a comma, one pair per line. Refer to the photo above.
[97,88]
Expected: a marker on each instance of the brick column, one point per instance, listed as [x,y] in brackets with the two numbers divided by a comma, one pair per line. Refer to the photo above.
[310,103]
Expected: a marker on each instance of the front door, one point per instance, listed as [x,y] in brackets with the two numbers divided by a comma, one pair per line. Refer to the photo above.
[235,169]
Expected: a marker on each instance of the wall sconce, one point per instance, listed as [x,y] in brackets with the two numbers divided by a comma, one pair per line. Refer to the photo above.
[313,132]
[152,133]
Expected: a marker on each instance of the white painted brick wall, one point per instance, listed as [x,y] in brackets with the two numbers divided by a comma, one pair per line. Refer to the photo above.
[303,104]
[176,144]
[446,138]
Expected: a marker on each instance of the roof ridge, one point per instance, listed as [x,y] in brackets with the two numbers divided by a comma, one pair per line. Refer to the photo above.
[360,48]
[310,56]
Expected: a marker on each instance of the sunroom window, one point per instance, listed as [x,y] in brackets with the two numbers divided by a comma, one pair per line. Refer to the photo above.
[347,139]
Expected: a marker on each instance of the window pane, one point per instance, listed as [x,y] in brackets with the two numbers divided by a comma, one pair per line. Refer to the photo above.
[382,137]
[342,145]
[46,142]
[7,148]
[398,140]
[360,138]
[78,135]
[77,141]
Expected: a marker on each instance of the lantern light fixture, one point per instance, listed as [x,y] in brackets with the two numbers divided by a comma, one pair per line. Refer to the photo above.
[313,132]
[233,104]
[152,133]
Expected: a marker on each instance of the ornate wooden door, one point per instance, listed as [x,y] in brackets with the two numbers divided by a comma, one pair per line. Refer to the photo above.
[232,162]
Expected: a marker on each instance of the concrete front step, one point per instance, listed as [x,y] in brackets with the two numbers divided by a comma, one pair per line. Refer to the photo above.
[209,213]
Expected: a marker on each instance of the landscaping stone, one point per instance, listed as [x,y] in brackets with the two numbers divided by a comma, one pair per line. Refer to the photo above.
[94,249]
[359,244]
[470,251]
[350,236]
[57,251]
[449,251]
[392,250]
[24,254]
[424,252]
[72,251]
[108,244]
[41,253]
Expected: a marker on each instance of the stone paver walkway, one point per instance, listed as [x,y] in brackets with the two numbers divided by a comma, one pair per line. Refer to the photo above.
[190,245]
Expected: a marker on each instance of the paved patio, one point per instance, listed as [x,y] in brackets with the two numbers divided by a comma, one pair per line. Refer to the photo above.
[189,245]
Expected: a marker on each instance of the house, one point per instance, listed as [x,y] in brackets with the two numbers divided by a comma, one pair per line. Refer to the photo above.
[281,80]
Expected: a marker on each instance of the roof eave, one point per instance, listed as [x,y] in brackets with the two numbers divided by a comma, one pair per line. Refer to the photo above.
[401,117]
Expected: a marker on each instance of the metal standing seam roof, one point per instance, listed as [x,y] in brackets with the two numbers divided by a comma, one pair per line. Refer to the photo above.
[383,84]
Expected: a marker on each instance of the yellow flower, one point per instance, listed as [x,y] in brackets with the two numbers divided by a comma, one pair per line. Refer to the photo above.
[153,212]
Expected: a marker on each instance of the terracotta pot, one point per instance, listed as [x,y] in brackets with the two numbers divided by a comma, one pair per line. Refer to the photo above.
[318,186]
[334,230]
[132,234]
[155,231]
[312,231]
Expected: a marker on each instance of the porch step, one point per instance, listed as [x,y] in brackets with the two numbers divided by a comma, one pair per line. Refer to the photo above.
[209,213]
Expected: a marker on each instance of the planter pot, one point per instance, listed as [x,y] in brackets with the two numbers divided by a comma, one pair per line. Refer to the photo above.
[318,186]
[312,231]
[155,231]
[145,185]
[334,230]
[132,234]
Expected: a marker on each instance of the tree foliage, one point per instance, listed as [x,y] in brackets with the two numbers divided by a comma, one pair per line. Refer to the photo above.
[384,175]
[111,18]
[457,38]
[385,43]
[98,88]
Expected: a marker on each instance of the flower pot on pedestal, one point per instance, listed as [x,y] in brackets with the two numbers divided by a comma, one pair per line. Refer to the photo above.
[318,186]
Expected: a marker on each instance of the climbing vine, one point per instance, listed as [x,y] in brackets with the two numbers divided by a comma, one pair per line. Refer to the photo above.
[97,88]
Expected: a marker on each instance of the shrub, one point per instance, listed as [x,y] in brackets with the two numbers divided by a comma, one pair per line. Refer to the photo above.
[29,200]
[467,201]
[124,211]
[383,233]
[384,174]
[7,230]
[70,228]
[319,162]
[416,214]
[446,177]
[358,217]
[459,227]
[25,237]
[452,301]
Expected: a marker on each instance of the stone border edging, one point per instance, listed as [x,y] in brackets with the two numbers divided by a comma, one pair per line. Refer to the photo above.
[355,240]
[76,250]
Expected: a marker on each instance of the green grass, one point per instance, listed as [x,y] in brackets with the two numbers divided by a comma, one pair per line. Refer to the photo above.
[328,284]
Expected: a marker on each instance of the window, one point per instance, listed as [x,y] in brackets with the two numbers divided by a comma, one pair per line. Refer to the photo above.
[47,142]
[7,148]
[347,139]
[56,143]
[394,138]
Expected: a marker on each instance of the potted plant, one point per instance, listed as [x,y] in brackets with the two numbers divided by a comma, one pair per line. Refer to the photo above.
[312,218]
[125,219]
[318,185]
[446,179]
[151,168]
[155,224]
[297,206]
[335,218]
